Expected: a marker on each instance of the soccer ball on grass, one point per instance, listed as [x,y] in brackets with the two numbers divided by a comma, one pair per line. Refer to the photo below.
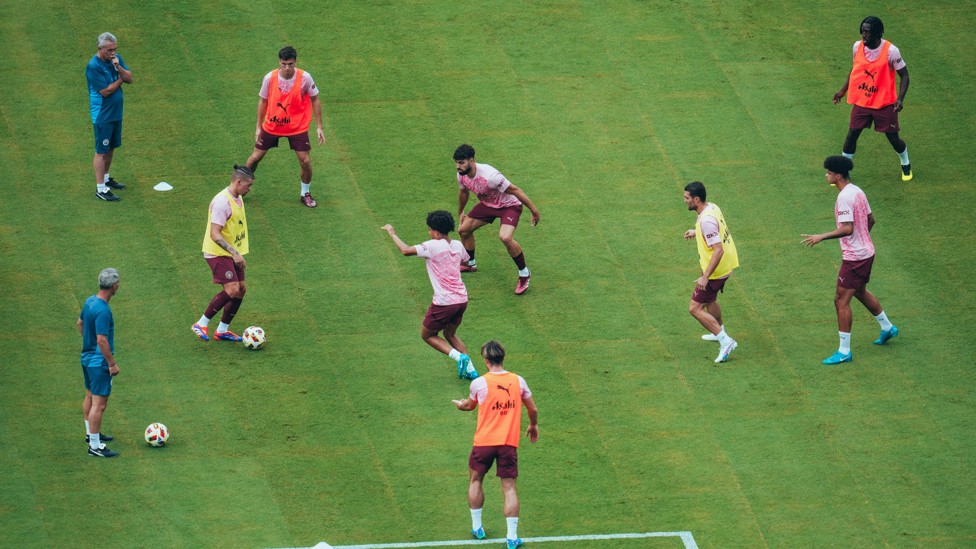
[254,337]
[157,434]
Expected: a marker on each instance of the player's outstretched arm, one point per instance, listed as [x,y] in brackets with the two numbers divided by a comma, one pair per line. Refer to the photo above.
[400,244]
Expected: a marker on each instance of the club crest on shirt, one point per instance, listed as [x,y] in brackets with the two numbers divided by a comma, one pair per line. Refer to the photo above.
[229,275]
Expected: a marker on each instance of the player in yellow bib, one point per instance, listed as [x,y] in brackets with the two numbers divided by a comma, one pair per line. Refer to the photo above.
[718,257]
[224,247]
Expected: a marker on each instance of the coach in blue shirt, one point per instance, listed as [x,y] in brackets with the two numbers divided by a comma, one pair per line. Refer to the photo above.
[97,328]
[106,72]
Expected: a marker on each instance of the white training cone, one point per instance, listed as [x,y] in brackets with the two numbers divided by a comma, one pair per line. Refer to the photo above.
[163,186]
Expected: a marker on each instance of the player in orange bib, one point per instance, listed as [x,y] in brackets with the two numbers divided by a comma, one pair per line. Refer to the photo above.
[499,396]
[870,88]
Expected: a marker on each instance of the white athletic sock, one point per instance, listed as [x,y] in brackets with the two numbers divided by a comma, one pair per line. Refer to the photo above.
[723,338]
[223,327]
[204,321]
[102,188]
[845,343]
[512,527]
[845,155]
[87,428]
[305,187]
[475,519]
[454,354]
[883,320]
[903,155]
[472,263]
[107,177]
[94,441]
[524,272]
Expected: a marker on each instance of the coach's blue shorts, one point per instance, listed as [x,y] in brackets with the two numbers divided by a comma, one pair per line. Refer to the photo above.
[108,136]
[97,378]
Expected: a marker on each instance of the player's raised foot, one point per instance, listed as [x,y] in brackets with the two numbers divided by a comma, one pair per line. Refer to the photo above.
[710,337]
[308,200]
[513,543]
[465,268]
[104,438]
[725,351]
[102,452]
[201,332]
[107,196]
[837,358]
[470,372]
[479,533]
[886,335]
[906,172]
[228,336]
[463,362]
[113,184]
[522,285]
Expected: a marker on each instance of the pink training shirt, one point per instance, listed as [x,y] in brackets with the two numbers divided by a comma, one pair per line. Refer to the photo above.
[709,226]
[444,269]
[894,55]
[489,184]
[852,207]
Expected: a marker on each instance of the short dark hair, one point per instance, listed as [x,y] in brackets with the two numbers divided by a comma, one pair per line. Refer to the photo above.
[493,352]
[696,188]
[441,221]
[464,152]
[839,165]
[243,172]
[876,25]
[286,53]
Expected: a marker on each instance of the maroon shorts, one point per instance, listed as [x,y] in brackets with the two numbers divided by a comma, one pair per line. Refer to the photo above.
[482,457]
[855,275]
[509,215]
[710,293]
[225,270]
[885,119]
[439,317]
[298,142]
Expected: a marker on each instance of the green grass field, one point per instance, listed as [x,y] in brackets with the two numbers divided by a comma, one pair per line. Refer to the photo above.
[342,430]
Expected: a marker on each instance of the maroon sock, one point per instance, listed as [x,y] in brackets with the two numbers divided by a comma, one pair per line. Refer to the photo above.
[230,310]
[519,260]
[216,304]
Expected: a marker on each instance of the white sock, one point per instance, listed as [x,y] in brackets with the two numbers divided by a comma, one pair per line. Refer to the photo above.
[87,428]
[512,527]
[223,327]
[845,155]
[94,441]
[305,187]
[204,321]
[845,343]
[723,338]
[454,354]
[102,188]
[475,519]
[883,320]
[472,263]
[903,155]
[107,176]
[524,272]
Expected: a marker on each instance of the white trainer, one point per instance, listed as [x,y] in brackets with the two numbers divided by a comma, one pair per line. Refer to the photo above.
[710,337]
[724,353]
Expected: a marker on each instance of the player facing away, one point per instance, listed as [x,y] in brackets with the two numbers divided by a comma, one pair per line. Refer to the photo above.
[854,223]
[498,198]
[499,396]
[443,257]
[718,258]
[225,243]
[870,88]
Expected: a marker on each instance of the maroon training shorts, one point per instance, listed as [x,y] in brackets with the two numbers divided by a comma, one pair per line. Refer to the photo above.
[482,457]
[855,275]
[439,317]
[885,119]
[225,270]
[298,142]
[710,293]
[509,215]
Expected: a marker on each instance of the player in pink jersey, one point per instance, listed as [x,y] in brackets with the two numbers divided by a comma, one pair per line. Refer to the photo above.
[854,223]
[498,198]
[443,257]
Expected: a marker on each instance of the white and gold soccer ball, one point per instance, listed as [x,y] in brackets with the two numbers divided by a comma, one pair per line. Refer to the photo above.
[254,337]
[157,434]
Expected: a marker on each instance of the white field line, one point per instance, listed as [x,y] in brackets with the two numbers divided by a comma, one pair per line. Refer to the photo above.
[686,538]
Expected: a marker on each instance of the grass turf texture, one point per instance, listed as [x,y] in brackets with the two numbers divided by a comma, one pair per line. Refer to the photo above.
[342,429]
